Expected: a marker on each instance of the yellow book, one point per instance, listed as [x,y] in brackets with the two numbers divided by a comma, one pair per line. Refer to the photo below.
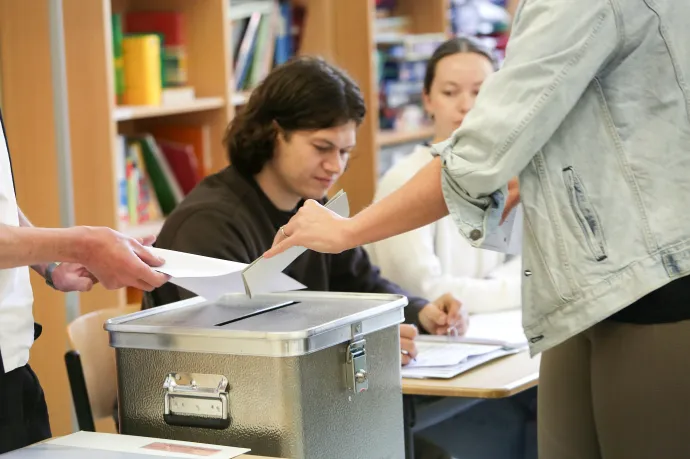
[142,61]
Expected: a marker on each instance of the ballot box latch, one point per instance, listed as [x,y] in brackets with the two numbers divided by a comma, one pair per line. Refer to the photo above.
[356,366]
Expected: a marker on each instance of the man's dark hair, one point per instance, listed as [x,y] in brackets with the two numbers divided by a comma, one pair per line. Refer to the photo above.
[305,93]
[453,46]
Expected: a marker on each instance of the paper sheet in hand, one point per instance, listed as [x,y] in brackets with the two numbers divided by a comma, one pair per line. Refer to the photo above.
[508,237]
[212,278]
[263,267]
[110,446]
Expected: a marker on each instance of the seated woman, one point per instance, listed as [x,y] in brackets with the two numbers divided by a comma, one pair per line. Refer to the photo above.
[291,142]
[436,259]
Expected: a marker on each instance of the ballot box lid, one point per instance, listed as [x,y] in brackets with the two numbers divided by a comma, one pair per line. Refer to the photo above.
[282,324]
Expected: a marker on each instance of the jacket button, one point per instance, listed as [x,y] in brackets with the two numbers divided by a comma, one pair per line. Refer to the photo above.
[528,273]
[475,234]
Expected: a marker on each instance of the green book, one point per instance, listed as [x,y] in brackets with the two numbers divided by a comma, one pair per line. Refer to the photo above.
[117,57]
[164,182]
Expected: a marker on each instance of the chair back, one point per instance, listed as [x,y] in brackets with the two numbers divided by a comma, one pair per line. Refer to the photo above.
[90,340]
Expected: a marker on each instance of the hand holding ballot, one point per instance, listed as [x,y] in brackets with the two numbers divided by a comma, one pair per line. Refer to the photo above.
[116,260]
[317,228]
[212,278]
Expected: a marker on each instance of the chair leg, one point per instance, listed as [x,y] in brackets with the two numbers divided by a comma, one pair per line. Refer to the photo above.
[80,396]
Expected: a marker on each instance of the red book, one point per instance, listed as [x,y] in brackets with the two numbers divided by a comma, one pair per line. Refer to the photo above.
[183,163]
[169,23]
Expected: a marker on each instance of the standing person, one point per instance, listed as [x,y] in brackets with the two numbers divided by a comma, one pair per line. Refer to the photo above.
[592,110]
[89,255]
[435,259]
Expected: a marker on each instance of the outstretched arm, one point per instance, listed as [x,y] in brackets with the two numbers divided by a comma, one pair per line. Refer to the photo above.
[110,257]
[29,246]
[415,204]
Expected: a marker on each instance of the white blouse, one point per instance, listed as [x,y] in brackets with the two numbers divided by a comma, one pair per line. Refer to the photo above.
[437,259]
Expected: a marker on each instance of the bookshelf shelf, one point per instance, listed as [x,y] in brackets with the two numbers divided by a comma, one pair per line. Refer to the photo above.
[126,113]
[240,98]
[143,230]
[395,137]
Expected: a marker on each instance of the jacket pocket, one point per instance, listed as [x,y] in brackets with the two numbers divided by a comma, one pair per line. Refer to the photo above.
[585,214]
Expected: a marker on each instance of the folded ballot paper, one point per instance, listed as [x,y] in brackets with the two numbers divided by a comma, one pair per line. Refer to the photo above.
[507,238]
[89,445]
[212,278]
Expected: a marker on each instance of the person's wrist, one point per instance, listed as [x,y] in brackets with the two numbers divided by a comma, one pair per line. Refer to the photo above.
[351,235]
[82,242]
[48,274]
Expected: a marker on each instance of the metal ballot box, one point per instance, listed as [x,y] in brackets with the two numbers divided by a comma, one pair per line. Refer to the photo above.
[299,374]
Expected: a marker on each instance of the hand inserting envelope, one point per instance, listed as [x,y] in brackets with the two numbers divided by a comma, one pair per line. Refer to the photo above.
[212,278]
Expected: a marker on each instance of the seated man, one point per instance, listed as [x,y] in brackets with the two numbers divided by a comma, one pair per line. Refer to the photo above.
[291,142]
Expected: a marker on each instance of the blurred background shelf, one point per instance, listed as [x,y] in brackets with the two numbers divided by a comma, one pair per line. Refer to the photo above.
[142,230]
[133,112]
[399,136]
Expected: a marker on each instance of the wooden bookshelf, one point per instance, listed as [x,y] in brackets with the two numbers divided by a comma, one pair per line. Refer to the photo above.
[240,98]
[134,112]
[145,229]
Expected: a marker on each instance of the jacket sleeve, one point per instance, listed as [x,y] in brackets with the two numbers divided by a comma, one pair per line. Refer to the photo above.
[352,271]
[556,49]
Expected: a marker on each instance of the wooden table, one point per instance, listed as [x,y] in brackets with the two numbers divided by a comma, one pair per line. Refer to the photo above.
[500,378]
[497,379]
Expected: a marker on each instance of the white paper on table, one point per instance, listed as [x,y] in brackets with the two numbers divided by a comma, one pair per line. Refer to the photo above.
[452,371]
[212,278]
[443,354]
[503,327]
[507,238]
[146,445]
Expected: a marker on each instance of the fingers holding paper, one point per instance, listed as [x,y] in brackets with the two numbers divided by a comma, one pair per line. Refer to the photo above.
[119,261]
[315,227]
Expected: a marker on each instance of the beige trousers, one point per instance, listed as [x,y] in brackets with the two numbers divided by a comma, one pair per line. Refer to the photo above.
[617,391]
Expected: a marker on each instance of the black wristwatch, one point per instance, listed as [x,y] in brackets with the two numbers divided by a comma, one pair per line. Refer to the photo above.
[49,274]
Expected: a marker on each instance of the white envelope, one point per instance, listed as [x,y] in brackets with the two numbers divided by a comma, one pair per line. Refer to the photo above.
[508,237]
[212,278]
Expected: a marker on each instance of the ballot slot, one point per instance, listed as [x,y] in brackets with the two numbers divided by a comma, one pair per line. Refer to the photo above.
[259,312]
[205,315]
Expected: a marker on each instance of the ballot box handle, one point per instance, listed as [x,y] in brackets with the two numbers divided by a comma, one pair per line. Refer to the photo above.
[196,400]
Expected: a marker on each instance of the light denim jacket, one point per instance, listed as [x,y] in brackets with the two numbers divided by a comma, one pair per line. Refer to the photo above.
[592,110]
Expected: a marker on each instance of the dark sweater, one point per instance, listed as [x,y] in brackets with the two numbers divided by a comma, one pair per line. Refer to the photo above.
[228,216]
